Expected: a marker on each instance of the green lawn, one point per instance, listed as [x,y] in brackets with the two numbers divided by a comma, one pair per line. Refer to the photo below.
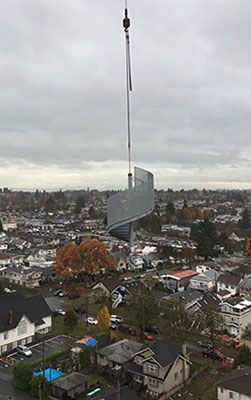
[77,331]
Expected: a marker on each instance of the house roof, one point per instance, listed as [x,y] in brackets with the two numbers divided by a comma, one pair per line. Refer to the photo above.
[70,381]
[238,380]
[229,279]
[209,301]
[35,308]
[245,284]
[181,274]
[122,351]
[4,256]
[187,296]
[206,276]
[166,351]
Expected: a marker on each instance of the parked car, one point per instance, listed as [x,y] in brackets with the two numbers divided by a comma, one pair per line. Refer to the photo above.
[79,309]
[92,321]
[128,330]
[117,320]
[206,343]
[56,293]
[24,351]
[7,290]
[113,326]
[73,295]
[151,329]
[147,336]
[63,293]
[60,311]
[215,354]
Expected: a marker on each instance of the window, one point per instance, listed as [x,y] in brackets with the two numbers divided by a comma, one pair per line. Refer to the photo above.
[22,328]
[152,368]
[176,376]
[222,390]
[138,360]
[5,335]
[153,382]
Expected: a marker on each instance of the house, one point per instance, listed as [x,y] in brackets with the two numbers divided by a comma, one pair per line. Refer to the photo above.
[125,393]
[179,280]
[5,259]
[118,290]
[117,356]
[245,287]
[23,276]
[235,385]
[161,368]
[188,297]
[236,313]
[22,319]
[228,282]
[205,281]
[71,385]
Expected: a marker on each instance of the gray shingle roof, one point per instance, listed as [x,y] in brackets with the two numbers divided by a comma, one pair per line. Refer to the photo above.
[70,381]
[35,308]
[122,351]
[238,381]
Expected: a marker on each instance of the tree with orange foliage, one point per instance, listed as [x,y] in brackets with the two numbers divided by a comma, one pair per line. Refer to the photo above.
[104,319]
[90,257]
[96,257]
[67,262]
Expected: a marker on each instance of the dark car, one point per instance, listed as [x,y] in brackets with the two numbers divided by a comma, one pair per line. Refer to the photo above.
[151,329]
[79,309]
[215,354]
[73,295]
[128,330]
[206,343]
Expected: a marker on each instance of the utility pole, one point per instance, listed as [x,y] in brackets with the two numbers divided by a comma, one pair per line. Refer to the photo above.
[44,365]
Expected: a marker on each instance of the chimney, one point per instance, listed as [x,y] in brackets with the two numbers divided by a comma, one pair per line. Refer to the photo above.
[10,319]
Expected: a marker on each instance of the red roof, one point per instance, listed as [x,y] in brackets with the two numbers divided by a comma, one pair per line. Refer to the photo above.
[183,273]
[4,256]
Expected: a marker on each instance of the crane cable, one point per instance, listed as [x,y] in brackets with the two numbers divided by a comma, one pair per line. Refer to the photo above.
[126,25]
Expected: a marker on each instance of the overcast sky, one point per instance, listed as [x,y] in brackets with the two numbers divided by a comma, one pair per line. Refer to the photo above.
[62,97]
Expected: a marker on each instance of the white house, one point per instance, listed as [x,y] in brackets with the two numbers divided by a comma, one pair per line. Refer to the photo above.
[22,319]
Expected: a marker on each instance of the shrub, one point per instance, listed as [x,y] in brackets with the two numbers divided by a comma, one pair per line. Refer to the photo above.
[39,385]
[22,376]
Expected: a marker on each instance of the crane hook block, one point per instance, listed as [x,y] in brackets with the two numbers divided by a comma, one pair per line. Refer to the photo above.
[126,21]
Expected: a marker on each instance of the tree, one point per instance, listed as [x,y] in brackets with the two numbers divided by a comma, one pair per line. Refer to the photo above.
[103,318]
[245,221]
[142,308]
[170,209]
[178,323]
[22,375]
[70,318]
[84,358]
[39,386]
[67,262]
[80,203]
[96,257]
[155,224]
[244,356]
[90,257]
[204,234]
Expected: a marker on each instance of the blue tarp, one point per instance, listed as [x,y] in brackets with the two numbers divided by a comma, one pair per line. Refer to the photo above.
[51,374]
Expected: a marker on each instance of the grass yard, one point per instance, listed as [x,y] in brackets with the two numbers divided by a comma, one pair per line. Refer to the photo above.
[77,331]
[202,387]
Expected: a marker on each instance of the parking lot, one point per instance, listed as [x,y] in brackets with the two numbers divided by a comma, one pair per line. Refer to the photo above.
[7,390]
[50,346]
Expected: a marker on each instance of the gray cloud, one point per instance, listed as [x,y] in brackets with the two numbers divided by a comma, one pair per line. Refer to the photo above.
[62,98]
